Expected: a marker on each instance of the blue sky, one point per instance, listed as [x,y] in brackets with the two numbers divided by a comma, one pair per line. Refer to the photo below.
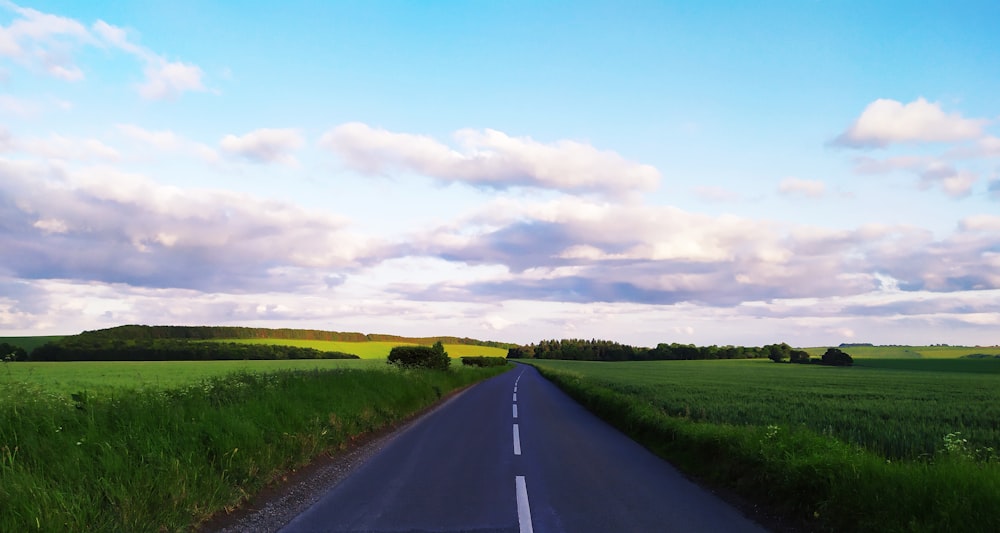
[712,173]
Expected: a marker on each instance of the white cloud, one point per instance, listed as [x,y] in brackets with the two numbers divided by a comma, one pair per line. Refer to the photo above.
[490,158]
[42,41]
[168,80]
[46,42]
[810,188]
[887,121]
[66,224]
[265,145]
[57,147]
[955,183]
[981,223]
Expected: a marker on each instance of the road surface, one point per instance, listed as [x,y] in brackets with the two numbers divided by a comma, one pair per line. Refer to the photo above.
[515,454]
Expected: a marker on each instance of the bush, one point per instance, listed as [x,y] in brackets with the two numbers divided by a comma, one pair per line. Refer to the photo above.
[836,357]
[433,357]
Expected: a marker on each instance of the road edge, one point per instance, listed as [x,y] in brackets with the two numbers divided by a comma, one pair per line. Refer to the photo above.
[294,492]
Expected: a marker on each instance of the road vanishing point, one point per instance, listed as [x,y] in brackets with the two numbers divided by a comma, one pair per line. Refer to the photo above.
[516,454]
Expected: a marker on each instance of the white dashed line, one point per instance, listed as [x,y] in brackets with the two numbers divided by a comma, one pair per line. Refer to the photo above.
[515,396]
[523,510]
[517,441]
[515,410]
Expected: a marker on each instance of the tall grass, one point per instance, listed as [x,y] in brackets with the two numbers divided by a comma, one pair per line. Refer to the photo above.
[164,459]
[816,479]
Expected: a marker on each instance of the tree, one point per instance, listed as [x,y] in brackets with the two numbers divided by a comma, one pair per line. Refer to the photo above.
[9,352]
[799,356]
[778,352]
[836,357]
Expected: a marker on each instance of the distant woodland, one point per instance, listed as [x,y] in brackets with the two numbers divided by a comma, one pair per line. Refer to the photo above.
[181,343]
[601,350]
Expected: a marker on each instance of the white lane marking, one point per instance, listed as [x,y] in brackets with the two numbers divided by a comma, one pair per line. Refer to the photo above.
[523,510]
[515,396]
[517,441]
[515,410]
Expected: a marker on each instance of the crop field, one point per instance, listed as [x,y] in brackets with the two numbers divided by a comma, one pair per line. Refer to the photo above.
[912,352]
[372,349]
[162,446]
[901,409]
[900,445]
[98,376]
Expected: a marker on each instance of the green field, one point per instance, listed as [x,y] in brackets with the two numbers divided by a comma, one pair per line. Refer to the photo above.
[372,349]
[100,376]
[897,408]
[911,352]
[162,446]
[29,343]
[898,445]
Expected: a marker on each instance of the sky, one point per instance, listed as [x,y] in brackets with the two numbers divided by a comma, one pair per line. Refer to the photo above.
[697,172]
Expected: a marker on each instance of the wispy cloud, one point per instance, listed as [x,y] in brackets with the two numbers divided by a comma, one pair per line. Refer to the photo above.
[58,148]
[46,42]
[41,41]
[801,187]
[265,145]
[490,158]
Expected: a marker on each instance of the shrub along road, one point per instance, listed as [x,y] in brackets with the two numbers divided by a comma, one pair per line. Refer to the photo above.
[514,453]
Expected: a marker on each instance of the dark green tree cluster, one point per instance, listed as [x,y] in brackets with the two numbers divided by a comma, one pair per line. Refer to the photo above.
[601,350]
[784,352]
[836,357]
[432,357]
[574,349]
[89,348]
[9,353]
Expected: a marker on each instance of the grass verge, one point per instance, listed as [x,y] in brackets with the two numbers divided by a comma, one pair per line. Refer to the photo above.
[813,480]
[165,460]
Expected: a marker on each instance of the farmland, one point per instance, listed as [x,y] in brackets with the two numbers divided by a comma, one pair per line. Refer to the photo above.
[823,445]
[110,376]
[161,446]
[912,352]
[371,349]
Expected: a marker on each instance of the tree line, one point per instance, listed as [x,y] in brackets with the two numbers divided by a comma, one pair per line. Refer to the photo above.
[81,348]
[603,350]
[141,332]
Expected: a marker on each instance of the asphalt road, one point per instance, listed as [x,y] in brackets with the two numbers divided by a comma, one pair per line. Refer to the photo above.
[515,454]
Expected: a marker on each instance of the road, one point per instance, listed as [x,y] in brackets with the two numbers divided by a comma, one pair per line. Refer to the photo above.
[515,454]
